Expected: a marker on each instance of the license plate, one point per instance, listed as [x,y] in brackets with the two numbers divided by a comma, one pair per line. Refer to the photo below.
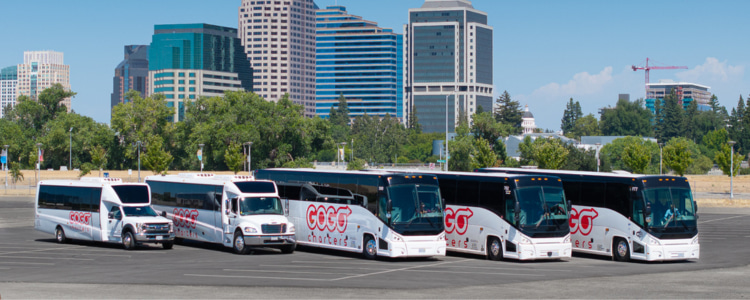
[159,237]
[274,238]
[422,250]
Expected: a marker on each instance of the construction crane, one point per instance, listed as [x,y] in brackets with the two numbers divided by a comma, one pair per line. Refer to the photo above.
[649,68]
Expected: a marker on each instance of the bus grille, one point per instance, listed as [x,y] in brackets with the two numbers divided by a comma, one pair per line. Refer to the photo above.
[157,228]
[273,228]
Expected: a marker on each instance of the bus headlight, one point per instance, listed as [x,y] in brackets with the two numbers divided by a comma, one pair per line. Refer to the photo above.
[292,229]
[250,229]
[441,237]
[653,241]
[567,239]
[695,240]
[140,227]
[171,228]
[525,241]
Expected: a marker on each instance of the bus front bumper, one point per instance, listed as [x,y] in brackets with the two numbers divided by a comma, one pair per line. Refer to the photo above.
[414,249]
[270,240]
[154,237]
[544,251]
[673,250]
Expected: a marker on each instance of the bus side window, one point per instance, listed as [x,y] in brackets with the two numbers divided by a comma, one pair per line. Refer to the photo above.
[234,205]
[382,213]
[637,208]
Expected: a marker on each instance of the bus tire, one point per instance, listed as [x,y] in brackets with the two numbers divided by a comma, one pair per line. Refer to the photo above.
[238,243]
[128,240]
[288,249]
[60,235]
[178,241]
[167,245]
[369,247]
[620,249]
[494,249]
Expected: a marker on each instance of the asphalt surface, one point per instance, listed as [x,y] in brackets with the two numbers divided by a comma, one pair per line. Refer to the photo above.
[32,265]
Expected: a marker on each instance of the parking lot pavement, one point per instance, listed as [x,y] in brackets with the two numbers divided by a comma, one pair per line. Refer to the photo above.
[32,265]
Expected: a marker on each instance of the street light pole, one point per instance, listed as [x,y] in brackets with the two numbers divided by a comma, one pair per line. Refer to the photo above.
[661,154]
[249,158]
[138,144]
[201,145]
[597,156]
[343,150]
[70,150]
[446,131]
[731,170]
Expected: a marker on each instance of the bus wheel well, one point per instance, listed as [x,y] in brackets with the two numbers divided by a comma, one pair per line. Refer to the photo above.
[369,246]
[494,247]
[620,248]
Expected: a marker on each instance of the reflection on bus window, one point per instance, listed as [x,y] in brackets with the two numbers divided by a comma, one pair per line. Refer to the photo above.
[139,211]
[671,207]
[260,206]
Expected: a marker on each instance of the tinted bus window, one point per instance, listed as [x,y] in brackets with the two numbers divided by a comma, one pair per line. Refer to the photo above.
[617,197]
[572,191]
[255,187]
[467,192]
[592,194]
[491,197]
[448,190]
[69,198]
[132,194]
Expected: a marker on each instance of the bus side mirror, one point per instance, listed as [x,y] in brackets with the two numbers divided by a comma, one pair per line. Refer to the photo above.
[111,215]
[648,208]
[696,206]
[389,206]
[517,211]
[286,206]
[570,206]
[164,214]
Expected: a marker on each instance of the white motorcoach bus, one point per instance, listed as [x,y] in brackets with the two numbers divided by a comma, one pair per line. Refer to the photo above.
[100,209]
[628,216]
[233,210]
[375,213]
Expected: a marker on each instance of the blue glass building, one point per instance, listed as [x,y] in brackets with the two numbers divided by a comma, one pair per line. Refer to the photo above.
[357,59]
[131,74]
[187,61]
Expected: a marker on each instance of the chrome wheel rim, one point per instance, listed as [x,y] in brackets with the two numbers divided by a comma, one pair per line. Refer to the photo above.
[239,244]
[495,247]
[370,247]
[58,235]
[128,240]
[622,249]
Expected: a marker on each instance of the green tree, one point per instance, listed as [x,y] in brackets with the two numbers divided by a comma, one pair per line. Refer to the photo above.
[484,157]
[487,128]
[627,119]
[15,172]
[509,112]
[98,158]
[140,120]
[612,155]
[357,164]
[636,157]
[340,120]
[550,153]
[713,141]
[726,160]
[571,114]
[234,158]
[156,159]
[462,149]
[672,124]
[584,126]
[677,155]
[579,159]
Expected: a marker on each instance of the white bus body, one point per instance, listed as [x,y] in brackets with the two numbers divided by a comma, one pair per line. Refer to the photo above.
[233,210]
[100,209]
[363,212]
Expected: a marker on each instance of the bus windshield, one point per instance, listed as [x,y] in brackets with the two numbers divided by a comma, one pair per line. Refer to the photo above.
[672,209]
[416,209]
[544,211]
[260,206]
[139,211]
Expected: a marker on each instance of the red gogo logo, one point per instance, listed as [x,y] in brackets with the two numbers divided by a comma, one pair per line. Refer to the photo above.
[185,217]
[582,221]
[328,218]
[82,218]
[458,220]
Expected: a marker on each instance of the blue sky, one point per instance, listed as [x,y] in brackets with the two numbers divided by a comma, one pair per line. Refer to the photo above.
[545,52]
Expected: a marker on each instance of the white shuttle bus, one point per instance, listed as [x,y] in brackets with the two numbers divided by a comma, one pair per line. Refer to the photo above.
[374,213]
[233,210]
[100,209]
[628,216]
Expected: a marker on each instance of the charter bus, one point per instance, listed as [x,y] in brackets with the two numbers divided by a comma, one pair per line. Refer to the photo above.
[100,209]
[375,213]
[236,211]
[628,216]
[505,215]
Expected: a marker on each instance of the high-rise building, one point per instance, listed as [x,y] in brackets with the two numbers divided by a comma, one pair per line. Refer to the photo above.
[187,61]
[685,92]
[39,71]
[448,62]
[357,59]
[8,83]
[279,40]
[131,74]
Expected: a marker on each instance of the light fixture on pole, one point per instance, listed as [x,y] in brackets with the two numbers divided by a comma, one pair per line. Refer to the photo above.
[249,157]
[138,144]
[597,156]
[731,170]
[661,154]
[200,157]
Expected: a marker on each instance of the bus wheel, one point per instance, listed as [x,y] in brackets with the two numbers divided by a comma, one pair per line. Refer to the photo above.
[494,249]
[60,235]
[288,249]
[167,245]
[238,246]
[370,249]
[128,241]
[620,250]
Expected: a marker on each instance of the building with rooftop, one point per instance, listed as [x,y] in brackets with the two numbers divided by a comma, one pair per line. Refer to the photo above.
[279,40]
[188,61]
[448,62]
[131,74]
[359,60]
[685,92]
[8,83]
[39,71]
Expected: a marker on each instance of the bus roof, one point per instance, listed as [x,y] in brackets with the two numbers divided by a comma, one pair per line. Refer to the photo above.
[89,182]
[462,173]
[343,172]
[616,174]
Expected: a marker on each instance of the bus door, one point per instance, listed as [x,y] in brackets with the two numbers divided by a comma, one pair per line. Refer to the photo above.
[114,224]
[229,216]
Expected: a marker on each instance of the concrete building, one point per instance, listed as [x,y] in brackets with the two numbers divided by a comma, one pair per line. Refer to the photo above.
[448,58]
[357,59]
[279,40]
[131,74]
[187,61]
[8,83]
[685,92]
[39,71]
[528,123]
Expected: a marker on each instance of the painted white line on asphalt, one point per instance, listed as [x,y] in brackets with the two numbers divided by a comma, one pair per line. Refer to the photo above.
[256,277]
[26,263]
[36,257]
[290,272]
[327,262]
[401,269]
[320,267]
[485,273]
[722,219]
[508,269]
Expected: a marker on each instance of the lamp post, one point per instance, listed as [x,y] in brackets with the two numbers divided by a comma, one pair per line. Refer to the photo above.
[446,131]
[138,144]
[731,170]
[351,155]
[249,157]
[661,154]
[201,157]
[340,155]
[70,150]
[38,160]
[597,156]
[7,162]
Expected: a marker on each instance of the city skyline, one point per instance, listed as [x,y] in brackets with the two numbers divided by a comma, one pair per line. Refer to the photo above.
[544,52]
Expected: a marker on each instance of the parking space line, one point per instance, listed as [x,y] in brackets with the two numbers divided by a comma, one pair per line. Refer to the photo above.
[320,267]
[26,263]
[326,262]
[291,272]
[255,277]
[722,219]
[401,269]
[37,257]
[509,269]
[483,273]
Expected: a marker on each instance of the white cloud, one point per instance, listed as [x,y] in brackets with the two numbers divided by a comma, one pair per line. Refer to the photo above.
[712,71]
[582,84]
